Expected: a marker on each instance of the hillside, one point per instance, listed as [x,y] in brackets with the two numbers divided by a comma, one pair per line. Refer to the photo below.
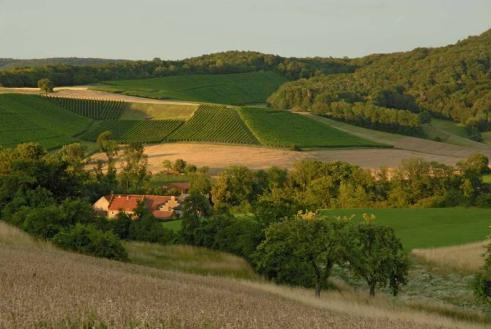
[451,82]
[26,118]
[236,89]
[285,129]
[111,294]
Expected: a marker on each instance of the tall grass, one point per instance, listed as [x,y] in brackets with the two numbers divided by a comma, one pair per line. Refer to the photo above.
[189,259]
[467,258]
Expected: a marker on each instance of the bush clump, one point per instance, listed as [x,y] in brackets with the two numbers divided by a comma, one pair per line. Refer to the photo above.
[87,239]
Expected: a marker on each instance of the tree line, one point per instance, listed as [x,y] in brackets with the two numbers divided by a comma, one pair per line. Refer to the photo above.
[218,63]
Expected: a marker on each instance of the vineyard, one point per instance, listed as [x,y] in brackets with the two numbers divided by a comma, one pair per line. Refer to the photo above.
[92,108]
[286,129]
[237,88]
[214,124]
[128,131]
[28,118]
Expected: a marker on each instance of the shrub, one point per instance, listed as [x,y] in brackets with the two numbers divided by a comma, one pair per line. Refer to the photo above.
[150,229]
[88,240]
[44,223]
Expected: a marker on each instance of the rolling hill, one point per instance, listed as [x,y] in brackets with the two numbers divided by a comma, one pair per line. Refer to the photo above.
[55,121]
[109,294]
[452,82]
[285,129]
[27,118]
[236,89]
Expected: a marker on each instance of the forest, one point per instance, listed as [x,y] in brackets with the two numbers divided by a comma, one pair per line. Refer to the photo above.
[452,82]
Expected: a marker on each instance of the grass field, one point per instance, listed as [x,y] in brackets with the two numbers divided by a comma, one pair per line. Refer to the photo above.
[487,179]
[174,225]
[429,227]
[448,131]
[237,89]
[127,131]
[285,129]
[214,124]
[149,111]
[30,118]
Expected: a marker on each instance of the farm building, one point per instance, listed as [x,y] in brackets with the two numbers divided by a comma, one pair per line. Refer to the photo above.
[181,187]
[162,207]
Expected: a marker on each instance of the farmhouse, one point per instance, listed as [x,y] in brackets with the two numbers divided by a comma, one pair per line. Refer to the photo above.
[162,207]
[181,187]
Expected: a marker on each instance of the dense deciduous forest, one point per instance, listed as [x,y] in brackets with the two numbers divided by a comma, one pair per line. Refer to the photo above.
[225,62]
[450,82]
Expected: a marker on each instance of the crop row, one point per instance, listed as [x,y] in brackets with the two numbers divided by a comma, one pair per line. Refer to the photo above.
[92,108]
[128,131]
[214,124]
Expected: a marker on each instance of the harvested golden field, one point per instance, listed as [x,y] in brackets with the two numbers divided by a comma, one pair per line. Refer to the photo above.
[467,258]
[217,156]
[42,287]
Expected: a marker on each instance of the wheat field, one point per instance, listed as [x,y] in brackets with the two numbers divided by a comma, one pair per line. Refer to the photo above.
[42,287]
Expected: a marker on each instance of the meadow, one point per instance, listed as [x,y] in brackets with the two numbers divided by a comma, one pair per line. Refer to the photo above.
[214,124]
[30,118]
[286,129]
[236,89]
[429,227]
[150,111]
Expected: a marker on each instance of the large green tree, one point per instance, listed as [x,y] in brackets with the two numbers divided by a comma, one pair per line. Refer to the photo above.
[376,255]
[302,251]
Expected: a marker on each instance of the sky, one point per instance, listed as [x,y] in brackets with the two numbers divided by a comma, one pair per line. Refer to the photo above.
[175,29]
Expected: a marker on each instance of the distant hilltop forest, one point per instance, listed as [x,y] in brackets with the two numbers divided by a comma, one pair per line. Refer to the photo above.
[9,63]
[383,91]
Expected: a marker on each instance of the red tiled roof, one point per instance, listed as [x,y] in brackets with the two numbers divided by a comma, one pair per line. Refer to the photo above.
[124,202]
[162,214]
[155,201]
[130,202]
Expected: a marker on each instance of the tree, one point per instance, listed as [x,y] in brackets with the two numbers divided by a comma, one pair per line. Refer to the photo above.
[375,254]
[109,147]
[74,155]
[200,183]
[196,205]
[134,170]
[302,251]
[233,187]
[46,85]
[482,280]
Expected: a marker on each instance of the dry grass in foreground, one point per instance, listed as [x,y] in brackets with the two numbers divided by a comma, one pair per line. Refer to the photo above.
[467,258]
[48,288]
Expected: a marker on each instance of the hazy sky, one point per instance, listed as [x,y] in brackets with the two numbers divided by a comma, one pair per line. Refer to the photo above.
[143,29]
